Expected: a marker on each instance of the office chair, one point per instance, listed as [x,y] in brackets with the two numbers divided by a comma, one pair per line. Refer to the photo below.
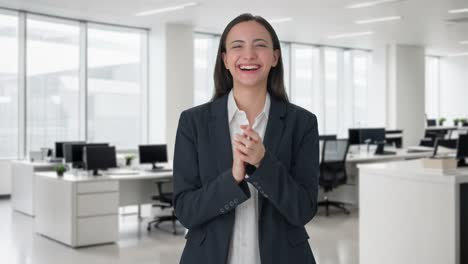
[447,143]
[333,170]
[163,201]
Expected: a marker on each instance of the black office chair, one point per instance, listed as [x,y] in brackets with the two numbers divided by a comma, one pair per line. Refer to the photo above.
[333,170]
[164,201]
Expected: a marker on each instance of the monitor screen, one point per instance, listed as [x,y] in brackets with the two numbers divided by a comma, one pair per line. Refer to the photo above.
[59,149]
[462,146]
[431,122]
[99,157]
[73,152]
[353,136]
[372,135]
[152,153]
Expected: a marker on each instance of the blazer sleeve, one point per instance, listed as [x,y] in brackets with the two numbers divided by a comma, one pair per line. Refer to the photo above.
[293,193]
[196,203]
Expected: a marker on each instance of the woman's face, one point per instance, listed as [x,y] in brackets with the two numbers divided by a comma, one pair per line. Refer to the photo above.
[249,54]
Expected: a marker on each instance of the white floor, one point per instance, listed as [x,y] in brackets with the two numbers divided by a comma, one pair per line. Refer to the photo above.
[334,240]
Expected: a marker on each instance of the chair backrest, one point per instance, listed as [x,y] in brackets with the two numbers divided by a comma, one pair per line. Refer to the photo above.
[165,190]
[333,164]
[335,150]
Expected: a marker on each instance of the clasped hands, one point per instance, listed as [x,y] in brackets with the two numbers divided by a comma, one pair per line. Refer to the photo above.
[248,148]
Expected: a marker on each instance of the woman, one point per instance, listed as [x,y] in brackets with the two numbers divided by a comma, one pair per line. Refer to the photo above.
[246,163]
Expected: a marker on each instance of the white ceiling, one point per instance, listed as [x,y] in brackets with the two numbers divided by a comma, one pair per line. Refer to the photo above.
[424,21]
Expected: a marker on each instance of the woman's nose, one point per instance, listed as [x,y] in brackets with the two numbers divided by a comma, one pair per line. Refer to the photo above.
[249,53]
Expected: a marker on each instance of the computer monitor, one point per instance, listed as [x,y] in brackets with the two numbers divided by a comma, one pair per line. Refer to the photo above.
[372,135]
[447,143]
[353,136]
[153,154]
[462,150]
[99,158]
[59,153]
[73,152]
[431,122]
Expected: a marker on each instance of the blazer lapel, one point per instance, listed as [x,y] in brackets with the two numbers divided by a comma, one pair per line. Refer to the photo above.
[220,137]
[273,133]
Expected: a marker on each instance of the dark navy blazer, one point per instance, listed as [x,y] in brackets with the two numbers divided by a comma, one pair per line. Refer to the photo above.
[206,194]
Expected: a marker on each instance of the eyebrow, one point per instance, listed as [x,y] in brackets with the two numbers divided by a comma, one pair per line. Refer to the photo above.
[241,41]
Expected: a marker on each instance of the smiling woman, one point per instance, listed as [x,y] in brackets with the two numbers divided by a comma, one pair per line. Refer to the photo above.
[246,163]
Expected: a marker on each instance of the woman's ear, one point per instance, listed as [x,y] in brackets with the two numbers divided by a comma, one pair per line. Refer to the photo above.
[276,56]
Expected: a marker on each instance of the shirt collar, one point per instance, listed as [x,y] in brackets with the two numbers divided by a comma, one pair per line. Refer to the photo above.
[233,109]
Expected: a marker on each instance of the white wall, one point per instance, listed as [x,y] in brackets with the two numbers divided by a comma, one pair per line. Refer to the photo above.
[5,177]
[179,77]
[406,94]
[453,88]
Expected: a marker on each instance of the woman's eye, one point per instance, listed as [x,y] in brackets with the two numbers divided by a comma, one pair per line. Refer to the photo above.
[261,45]
[235,47]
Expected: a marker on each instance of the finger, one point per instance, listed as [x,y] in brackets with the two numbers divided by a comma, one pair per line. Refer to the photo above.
[252,134]
[245,141]
[240,147]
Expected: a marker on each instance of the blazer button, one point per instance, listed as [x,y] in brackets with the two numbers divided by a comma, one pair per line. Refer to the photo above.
[231,203]
[221,210]
[236,201]
[226,207]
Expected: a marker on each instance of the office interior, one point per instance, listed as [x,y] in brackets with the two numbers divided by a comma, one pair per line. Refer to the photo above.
[96,88]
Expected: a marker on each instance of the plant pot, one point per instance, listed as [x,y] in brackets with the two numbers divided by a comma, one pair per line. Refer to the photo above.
[441,123]
[60,173]
[456,122]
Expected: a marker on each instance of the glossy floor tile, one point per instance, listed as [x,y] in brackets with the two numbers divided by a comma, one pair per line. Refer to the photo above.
[334,239]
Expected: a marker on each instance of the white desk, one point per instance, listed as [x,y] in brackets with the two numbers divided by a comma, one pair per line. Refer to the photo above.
[83,210]
[409,214]
[22,173]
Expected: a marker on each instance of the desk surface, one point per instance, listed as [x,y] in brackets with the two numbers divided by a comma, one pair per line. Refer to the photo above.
[401,154]
[141,175]
[415,170]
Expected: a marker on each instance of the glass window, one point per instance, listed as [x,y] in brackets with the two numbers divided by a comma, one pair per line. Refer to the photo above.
[52,81]
[331,90]
[205,51]
[361,62]
[9,85]
[432,87]
[115,97]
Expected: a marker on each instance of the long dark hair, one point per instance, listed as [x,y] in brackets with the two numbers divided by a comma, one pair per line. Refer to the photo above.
[223,78]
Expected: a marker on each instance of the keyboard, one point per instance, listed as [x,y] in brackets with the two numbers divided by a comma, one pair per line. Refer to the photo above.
[159,170]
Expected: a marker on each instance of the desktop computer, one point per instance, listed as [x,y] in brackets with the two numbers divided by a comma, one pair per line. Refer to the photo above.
[375,136]
[59,152]
[462,150]
[99,158]
[73,152]
[153,154]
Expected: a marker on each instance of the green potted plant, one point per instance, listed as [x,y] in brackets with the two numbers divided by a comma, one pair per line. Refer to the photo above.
[441,121]
[128,159]
[60,169]
[456,121]
[464,121]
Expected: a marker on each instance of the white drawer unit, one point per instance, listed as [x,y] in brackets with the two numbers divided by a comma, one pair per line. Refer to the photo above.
[97,204]
[87,227]
[77,213]
[96,187]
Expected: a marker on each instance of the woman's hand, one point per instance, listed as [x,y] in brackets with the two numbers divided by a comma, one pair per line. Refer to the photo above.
[238,166]
[250,146]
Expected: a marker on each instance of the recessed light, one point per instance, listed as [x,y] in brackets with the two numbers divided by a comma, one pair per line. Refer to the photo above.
[376,20]
[165,9]
[349,35]
[372,3]
[280,20]
[456,11]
